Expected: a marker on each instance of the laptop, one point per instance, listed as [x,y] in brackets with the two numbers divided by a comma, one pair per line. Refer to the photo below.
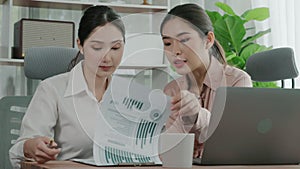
[253,126]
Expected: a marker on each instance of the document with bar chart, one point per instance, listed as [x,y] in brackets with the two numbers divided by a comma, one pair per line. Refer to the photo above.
[128,127]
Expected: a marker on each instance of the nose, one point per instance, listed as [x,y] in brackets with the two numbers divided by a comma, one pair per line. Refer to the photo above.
[176,50]
[106,57]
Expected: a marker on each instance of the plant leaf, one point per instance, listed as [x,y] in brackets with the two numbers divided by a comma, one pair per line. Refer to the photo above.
[236,61]
[230,31]
[258,14]
[214,16]
[252,49]
[226,8]
[265,84]
[230,56]
[251,39]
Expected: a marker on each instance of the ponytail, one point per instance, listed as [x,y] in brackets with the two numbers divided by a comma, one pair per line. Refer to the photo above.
[75,60]
[218,52]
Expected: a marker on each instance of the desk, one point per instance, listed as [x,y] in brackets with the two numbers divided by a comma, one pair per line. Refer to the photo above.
[71,165]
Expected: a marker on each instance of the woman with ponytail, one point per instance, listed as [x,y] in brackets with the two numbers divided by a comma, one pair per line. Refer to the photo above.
[59,122]
[191,48]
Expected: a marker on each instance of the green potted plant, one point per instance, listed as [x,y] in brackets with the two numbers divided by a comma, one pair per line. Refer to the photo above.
[236,38]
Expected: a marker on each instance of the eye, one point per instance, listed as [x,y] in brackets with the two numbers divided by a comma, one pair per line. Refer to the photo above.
[184,40]
[167,43]
[96,48]
[116,47]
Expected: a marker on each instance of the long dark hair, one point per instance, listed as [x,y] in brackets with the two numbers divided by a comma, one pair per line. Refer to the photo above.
[200,21]
[92,18]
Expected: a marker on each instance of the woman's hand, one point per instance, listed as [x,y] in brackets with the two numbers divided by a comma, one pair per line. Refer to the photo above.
[185,103]
[198,148]
[187,106]
[38,148]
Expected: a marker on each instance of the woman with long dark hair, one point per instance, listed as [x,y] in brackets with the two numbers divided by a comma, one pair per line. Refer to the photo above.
[193,51]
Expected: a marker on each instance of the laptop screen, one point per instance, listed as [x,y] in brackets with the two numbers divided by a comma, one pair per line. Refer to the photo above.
[254,126]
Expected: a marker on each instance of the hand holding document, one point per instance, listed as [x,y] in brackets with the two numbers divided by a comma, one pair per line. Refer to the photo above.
[129,125]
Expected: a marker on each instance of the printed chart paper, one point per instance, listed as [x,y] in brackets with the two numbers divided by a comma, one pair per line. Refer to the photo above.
[128,127]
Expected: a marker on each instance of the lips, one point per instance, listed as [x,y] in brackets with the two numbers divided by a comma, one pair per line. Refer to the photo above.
[105,68]
[178,63]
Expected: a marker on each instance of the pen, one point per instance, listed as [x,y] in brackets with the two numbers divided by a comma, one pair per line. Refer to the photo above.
[50,144]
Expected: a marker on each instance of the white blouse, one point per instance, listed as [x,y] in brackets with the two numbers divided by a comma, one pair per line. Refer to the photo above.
[64,109]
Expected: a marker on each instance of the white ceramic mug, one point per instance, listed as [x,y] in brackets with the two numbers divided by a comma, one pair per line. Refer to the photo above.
[176,149]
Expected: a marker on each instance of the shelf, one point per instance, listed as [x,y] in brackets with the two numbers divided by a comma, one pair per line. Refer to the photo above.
[20,62]
[79,5]
[12,62]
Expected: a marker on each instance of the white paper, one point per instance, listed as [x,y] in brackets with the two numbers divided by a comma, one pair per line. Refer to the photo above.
[128,127]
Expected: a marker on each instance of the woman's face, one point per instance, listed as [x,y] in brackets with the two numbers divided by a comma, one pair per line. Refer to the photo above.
[103,50]
[184,47]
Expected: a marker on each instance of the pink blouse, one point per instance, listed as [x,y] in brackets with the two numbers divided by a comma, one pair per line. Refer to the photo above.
[217,75]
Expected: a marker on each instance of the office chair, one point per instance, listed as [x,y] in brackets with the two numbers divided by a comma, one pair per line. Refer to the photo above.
[44,62]
[12,109]
[273,65]
[39,63]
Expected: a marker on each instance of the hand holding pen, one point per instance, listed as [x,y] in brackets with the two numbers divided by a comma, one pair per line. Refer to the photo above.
[41,149]
[52,144]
